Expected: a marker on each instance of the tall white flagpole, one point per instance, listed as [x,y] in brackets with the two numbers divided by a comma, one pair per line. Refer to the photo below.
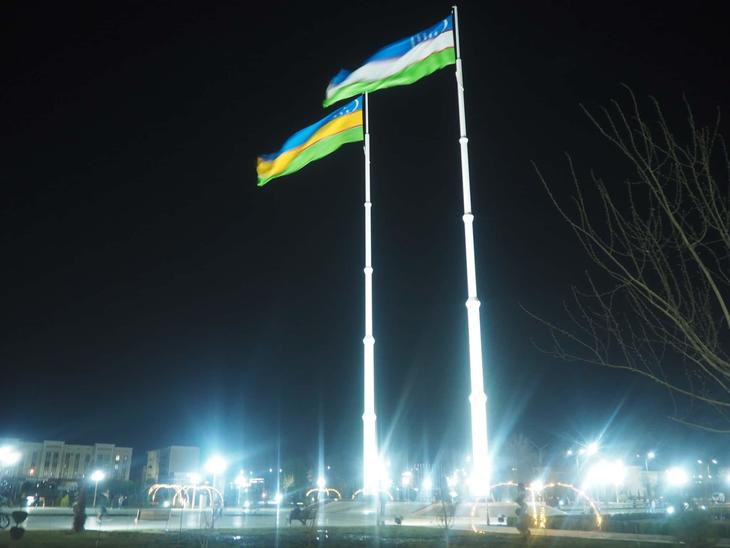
[477,398]
[370,440]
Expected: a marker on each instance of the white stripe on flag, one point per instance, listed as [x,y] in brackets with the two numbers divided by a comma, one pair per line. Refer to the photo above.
[379,70]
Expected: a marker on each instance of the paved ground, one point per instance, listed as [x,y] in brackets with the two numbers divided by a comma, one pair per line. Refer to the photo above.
[337,515]
[339,537]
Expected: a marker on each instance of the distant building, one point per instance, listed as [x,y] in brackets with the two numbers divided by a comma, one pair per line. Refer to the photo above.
[52,459]
[171,464]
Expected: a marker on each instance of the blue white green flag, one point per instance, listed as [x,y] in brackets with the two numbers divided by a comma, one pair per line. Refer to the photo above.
[401,63]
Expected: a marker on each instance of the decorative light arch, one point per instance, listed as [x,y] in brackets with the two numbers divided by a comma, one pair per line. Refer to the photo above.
[324,490]
[538,518]
[359,492]
[181,497]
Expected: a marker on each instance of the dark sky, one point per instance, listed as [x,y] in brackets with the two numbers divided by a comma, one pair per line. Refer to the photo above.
[152,294]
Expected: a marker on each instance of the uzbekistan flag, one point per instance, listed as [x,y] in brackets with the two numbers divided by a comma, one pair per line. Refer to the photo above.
[399,64]
[314,142]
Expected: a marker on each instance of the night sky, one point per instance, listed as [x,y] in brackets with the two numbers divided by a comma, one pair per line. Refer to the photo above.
[153,295]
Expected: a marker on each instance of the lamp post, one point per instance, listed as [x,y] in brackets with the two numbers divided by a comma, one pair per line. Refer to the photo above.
[8,457]
[216,465]
[96,477]
[649,456]
[194,478]
[241,482]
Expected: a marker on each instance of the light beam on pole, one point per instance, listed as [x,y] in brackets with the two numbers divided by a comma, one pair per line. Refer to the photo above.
[370,441]
[477,398]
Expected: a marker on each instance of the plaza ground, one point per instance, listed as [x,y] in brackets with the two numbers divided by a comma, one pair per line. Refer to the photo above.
[396,536]
[340,524]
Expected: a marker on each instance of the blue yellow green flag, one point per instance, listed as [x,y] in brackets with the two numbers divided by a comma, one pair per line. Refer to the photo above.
[344,125]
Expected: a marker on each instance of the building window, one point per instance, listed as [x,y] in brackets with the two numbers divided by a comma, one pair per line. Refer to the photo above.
[117,458]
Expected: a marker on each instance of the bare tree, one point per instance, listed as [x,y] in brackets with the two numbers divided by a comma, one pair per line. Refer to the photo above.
[287,481]
[657,296]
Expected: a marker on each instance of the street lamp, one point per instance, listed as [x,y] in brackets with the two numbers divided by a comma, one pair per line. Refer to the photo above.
[592,448]
[677,477]
[605,473]
[96,477]
[8,457]
[241,483]
[649,456]
[194,478]
[216,465]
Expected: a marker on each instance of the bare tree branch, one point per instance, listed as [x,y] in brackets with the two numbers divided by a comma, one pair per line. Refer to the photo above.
[657,300]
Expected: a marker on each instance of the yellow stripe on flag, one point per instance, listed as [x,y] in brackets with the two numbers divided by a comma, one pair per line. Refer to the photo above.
[280,163]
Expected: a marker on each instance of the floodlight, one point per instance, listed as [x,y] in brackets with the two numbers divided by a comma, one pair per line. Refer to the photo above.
[216,464]
[605,473]
[8,455]
[677,477]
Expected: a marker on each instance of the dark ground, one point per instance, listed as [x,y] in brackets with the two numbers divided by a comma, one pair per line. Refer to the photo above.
[335,537]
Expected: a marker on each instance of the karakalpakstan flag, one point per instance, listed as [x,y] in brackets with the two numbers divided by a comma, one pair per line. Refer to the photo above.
[399,64]
[314,142]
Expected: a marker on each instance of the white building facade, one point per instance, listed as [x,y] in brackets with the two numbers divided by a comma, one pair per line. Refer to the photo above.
[172,464]
[51,459]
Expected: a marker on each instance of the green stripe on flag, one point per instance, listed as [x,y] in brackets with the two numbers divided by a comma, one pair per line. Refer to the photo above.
[319,150]
[407,76]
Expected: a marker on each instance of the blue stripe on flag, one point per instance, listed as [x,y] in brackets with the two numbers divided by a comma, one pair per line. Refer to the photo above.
[401,47]
[303,135]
